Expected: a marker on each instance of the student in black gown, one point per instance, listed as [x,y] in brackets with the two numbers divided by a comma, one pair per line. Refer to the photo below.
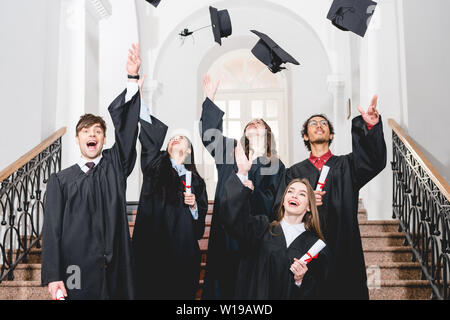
[86,246]
[169,221]
[339,211]
[270,267]
[265,172]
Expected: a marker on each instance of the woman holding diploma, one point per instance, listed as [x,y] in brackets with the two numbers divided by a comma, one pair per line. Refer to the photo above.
[285,259]
[170,218]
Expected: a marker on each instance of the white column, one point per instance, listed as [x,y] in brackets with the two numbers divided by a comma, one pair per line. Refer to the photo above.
[336,86]
[77,68]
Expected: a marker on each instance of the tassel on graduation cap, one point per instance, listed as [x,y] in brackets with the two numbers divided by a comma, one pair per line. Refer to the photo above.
[220,23]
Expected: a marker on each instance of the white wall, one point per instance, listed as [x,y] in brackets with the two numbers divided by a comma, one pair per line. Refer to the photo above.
[427,47]
[28,52]
[116,34]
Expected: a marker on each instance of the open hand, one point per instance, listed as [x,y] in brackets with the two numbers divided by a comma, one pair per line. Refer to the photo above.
[371,117]
[242,162]
[134,60]
[209,87]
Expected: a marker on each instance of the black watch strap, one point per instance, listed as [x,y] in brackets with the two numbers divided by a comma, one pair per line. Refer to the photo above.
[133,77]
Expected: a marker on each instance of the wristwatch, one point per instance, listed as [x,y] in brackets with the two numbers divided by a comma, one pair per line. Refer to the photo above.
[133,77]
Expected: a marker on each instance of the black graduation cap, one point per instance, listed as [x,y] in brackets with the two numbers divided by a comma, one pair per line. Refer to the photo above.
[352,15]
[269,53]
[220,23]
[154,2]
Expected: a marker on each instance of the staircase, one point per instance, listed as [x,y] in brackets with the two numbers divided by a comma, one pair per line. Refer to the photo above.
[390,272]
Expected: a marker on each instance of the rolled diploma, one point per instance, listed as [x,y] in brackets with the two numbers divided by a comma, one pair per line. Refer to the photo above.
[188,181]
[313,251]
[322,178]
[59,295]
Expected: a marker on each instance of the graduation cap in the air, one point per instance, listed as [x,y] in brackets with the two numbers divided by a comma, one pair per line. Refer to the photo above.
[271,54]
[220,23]
[154,2]
[352,15]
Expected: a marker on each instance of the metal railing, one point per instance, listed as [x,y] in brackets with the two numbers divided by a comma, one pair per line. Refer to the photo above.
[421,203]
[22,197]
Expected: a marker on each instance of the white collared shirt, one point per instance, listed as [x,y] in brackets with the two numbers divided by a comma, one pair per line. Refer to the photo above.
[82,163]
[291,231]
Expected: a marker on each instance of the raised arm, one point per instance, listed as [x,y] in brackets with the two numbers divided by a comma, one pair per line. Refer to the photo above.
[152,137]
[211,127]
[125,114]
[369,147]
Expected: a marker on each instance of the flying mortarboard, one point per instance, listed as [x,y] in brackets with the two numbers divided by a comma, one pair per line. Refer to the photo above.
[271,54]
[154,2]
[220,23]
[352,15]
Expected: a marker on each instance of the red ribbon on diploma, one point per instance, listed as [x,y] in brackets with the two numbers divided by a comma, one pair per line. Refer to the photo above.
[185,186]
[310,256]
[321,184]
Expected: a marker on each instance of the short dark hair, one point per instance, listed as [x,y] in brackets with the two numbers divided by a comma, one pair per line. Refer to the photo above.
[87,120]
[305,129]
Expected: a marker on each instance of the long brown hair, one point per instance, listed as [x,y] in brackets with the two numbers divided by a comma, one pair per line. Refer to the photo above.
[311,217]
[271,149]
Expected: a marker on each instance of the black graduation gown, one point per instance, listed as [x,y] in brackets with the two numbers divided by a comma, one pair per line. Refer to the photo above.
[264,271]
[339,212]
[85,233]
[165,236]
[223,251]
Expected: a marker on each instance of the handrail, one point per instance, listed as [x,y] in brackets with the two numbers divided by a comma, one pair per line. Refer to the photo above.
[421,203]
[16,165]
[434,175]
[22,197]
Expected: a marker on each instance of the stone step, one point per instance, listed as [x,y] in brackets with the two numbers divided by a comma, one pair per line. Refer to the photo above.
[394,271]
[34,256]
[27,272]
[378,226]
[362,215]
[381,239]
[23,290]
[401,290]
[207,232]
[380,255]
